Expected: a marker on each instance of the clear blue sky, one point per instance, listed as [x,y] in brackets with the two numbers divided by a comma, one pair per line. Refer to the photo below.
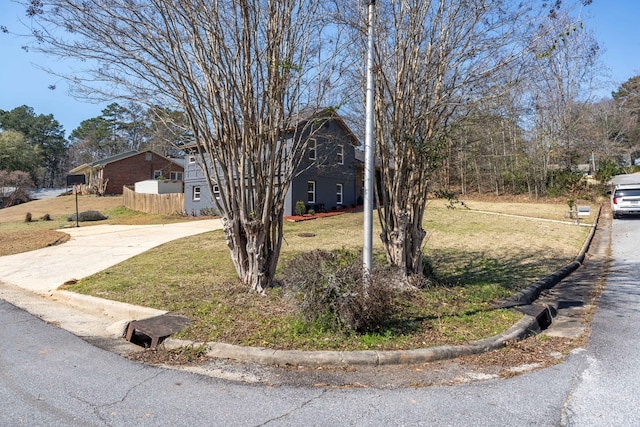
[616,24]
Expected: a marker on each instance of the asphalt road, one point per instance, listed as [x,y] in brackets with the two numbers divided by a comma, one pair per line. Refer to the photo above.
[49,376]
[607,386]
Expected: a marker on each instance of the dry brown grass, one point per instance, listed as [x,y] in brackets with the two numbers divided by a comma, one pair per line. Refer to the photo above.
[29,240]
[58,207]
[18,235]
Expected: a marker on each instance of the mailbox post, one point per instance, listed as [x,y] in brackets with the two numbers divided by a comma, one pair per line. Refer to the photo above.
[581,212]
[76,180]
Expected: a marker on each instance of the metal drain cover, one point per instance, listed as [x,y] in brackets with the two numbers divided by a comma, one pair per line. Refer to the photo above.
[157,327]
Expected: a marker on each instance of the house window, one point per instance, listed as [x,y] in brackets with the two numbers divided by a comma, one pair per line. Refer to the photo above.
[157,174]
[196,194]
[340,154]
[175,176]
[147,157]
[192,160]
[216,191]
[339,194]
[311,191]
[312,149]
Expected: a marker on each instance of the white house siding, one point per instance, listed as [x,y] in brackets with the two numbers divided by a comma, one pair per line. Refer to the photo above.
[194,177]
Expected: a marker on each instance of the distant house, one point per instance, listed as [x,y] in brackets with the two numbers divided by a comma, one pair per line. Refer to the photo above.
[326,177]
[13,196]
[109,175]
[360,175]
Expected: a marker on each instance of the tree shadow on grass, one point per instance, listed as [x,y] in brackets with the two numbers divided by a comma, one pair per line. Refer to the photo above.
[468,283]
[511,273]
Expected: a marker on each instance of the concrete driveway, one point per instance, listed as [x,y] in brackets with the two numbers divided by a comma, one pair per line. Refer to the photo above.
[91,249]
[30,280]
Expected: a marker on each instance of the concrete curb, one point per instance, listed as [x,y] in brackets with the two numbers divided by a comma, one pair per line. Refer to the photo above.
[528,295]
[522,329]
[262,355]
[105,307]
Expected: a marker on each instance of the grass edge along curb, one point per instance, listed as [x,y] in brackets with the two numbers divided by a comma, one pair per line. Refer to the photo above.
[529,294]
[525,327]
[266,356]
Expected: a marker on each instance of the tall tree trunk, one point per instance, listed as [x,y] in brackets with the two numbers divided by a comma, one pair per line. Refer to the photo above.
[403,241]
[255,248]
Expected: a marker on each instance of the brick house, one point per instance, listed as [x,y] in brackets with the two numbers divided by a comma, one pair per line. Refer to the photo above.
[109,175]
[326,177]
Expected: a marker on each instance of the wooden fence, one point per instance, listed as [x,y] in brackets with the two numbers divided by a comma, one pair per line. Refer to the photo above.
[160,204]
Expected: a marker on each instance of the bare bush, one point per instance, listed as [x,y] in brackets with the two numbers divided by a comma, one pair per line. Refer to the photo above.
[87,216]
[332,291]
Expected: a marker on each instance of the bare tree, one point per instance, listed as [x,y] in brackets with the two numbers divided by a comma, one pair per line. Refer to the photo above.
[242,71]
[627,101]
[563,80]
[488,151]
[436,60]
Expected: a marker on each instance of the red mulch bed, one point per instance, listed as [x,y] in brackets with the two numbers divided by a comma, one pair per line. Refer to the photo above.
[307,217]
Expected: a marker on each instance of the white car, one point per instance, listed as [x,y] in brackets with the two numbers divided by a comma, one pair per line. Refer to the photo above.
[625,200]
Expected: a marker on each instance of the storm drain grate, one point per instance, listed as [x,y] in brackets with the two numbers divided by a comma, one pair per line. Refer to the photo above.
[541,313]
[155,329]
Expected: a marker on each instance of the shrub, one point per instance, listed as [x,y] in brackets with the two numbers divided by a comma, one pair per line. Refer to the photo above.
[332,291]
[87,216]
[27,217]
[46,217]
[428,274]
[607,170]
[208,212]
[563,182]
[300,209]
[571,203]
[311,212]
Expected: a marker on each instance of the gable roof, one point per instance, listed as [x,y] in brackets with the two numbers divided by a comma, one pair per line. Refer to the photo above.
[104,161]
[117,157]
[326,113]
[114,158]
[307,115]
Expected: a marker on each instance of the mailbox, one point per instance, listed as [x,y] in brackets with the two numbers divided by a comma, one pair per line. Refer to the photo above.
[75,179]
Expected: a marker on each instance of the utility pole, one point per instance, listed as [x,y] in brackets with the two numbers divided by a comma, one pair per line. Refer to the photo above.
[369,166]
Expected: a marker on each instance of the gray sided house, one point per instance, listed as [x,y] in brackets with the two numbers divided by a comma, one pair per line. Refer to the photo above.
[326,177]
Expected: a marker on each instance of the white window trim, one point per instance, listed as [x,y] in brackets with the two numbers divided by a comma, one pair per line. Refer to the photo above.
[340,154]
[339,193]
[313,146]
[196,193]
[175,176]
[157,174]
[312,192]
[216,191]
[192,160]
